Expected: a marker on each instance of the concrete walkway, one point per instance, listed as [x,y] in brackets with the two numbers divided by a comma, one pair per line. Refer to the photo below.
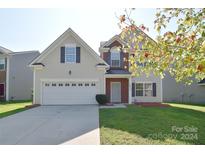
[51,125]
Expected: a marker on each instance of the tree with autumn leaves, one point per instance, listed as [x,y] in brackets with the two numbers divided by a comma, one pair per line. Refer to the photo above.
[180,52]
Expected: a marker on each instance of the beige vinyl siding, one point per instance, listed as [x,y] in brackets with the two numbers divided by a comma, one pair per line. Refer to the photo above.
[55,70]
[151,79]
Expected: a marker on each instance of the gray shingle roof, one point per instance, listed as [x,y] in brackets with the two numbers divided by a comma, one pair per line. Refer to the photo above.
[5,50]
[118,72]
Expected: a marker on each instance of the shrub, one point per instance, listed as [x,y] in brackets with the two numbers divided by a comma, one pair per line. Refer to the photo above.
[101,99]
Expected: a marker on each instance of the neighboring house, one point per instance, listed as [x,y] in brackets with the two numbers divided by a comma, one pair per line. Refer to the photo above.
[15,75]
[70,72]
[179,92]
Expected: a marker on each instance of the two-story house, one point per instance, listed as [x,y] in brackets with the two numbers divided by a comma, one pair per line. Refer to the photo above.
[16,78]
[69,71]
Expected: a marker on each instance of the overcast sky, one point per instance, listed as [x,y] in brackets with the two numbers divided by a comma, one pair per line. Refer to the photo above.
[36,29]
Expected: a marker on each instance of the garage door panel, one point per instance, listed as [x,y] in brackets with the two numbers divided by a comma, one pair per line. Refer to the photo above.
[60,93]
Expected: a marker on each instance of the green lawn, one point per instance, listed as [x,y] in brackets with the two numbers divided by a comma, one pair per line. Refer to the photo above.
[9,108]
[153,125]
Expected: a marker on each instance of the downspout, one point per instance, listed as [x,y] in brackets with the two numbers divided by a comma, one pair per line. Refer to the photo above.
[7,77]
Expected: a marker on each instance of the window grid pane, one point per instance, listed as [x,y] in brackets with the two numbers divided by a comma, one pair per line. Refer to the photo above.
[148,92]
[70,58]
[70,54]
[139,86]
[144,89]
[139,92]
[148,86]
[115,63]
[115,59]
[1,66]
[115,55]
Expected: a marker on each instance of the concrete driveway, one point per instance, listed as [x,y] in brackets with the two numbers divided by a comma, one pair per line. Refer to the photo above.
[49,125]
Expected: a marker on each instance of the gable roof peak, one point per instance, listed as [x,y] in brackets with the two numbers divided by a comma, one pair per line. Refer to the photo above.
[113,39]
[5,50]
[59,39]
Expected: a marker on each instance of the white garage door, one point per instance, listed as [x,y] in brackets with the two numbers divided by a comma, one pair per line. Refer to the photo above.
[69,93]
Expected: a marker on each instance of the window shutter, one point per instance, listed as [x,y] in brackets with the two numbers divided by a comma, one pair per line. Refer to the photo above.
[133,89]
[154,89]
[62,55]
[108,58]
[77,54]
[1,89]
[121,59]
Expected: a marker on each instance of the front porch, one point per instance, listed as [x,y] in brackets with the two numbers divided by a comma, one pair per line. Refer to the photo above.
[118,88]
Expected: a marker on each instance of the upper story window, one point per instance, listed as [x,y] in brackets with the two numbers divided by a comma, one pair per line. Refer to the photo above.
[2,64]
[70,53]
[137,62]
[115,58]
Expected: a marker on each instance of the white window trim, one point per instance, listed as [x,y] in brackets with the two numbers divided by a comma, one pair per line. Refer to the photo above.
[4,64]
[4,90]
[70,46]
[115,51]
[144,89]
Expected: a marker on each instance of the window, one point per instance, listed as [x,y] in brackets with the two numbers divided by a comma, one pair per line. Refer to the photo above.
[67,84]
[53,84]
[70,54]
[140,64]
[80,84]
[2,64]
[139,89]
[73,84]
[148,89]
[93,84]
[47,84]
[60,84]
[87,84]
[115,59]
[144,89]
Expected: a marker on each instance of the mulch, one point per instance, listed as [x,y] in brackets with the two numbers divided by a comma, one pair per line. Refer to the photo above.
[151,104]
[32,106]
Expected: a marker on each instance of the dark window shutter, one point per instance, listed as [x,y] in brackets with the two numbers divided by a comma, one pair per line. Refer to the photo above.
[154,89]
[121,59]
[77,54]
[62,58]
[133,89]
[1,89]
[108,58]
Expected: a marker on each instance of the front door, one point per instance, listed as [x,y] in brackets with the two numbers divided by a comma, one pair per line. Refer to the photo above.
[115,92]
